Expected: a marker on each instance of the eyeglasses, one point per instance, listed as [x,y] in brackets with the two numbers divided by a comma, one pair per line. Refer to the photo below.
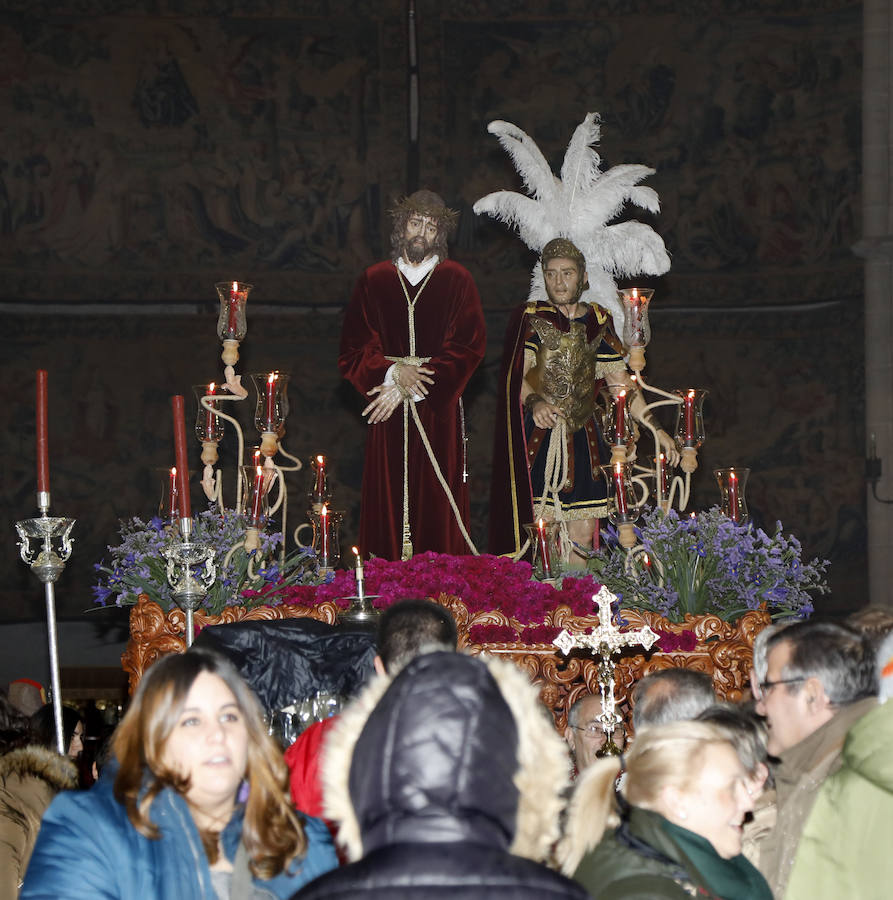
[594,730]
[766,686]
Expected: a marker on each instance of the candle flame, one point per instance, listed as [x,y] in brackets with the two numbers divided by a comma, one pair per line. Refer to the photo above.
[733,476]
[635,293]
[271,377]
[647,560]
[356,552]
[662,457]
[618,467]
[235,286]
[622,394]
[211,387]
[173,470]
[691,394]
[260,471]
[320,459]
[324,511]
[541,524]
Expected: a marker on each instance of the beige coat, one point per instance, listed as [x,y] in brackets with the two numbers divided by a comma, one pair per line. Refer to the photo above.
[29,779]
[798,777]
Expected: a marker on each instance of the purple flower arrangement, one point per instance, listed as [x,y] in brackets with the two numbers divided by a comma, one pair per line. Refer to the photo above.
[137,566]
[711,564]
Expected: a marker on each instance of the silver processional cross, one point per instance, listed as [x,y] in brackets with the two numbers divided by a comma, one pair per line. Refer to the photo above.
[606,641]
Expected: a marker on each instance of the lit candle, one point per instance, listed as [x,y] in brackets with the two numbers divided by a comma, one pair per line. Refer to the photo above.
[233,323]
[257,495]
[271,401]
[172,495]
[320,490]
[733,496]
[209,416]
[689,417]
[544,549]
[620,488]
[43,446]
[620,418]
[324,537]
[180,457]
[359,573]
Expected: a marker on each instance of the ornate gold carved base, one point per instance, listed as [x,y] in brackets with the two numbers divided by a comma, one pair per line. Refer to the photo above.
[724,650]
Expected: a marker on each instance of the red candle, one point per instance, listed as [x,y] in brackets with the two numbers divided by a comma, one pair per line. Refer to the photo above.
[209,420]
[172,495]
[271,401]
[43,446]
[324,539]
[733,496]
[233,324]
[620,488]
[320,489]
[180,456]
[620,418]
[689,420]
[544,548]
[258,495]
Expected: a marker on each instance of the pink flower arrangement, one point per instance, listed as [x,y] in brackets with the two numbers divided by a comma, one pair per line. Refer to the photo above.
[669,642]
[482,583]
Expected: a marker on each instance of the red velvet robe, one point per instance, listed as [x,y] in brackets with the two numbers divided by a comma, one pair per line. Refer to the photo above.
[449,327]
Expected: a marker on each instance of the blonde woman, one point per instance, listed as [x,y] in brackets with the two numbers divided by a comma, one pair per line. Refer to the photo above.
[676,831]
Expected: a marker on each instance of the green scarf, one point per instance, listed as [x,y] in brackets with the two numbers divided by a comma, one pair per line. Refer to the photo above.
[730,879]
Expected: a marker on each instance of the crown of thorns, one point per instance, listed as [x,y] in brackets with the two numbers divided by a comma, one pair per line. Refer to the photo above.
[426,203]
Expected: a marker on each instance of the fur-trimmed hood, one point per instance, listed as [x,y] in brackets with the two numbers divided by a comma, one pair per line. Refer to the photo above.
[454,748]
[35,761]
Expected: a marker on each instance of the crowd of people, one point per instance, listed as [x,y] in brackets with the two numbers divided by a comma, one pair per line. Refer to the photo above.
[445,776]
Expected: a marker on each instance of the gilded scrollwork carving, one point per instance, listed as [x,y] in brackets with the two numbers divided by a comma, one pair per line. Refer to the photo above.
[724,649]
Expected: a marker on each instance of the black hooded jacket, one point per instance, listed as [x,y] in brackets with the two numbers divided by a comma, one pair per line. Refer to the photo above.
[443,781]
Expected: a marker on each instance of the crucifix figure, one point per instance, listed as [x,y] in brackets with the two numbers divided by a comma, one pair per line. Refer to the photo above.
[606,641]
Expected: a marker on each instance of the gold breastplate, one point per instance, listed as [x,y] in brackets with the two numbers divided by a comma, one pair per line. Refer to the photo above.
[564,372]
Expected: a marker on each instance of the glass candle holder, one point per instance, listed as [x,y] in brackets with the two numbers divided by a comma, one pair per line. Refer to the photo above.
[636,327]
[231,323]
[626,507]
[327,536]
[168,503]
[257,483]
[732,483]
[545,549]
[319,491]
[689,430]
[618,422]
[208,427]
[272,404]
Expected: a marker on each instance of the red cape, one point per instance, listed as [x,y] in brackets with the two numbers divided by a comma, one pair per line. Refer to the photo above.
[511,493]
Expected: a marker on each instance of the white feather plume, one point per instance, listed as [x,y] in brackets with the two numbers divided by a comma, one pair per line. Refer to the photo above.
[528,160]
[579,205]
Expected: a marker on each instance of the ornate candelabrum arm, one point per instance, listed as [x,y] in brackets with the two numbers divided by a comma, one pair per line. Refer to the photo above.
[282,497]
[679,486]
[206,404]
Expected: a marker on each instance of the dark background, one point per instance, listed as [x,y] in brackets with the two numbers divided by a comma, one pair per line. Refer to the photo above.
[149,150]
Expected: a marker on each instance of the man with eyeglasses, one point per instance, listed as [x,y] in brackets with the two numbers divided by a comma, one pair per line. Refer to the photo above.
[584,733]
[819,681]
